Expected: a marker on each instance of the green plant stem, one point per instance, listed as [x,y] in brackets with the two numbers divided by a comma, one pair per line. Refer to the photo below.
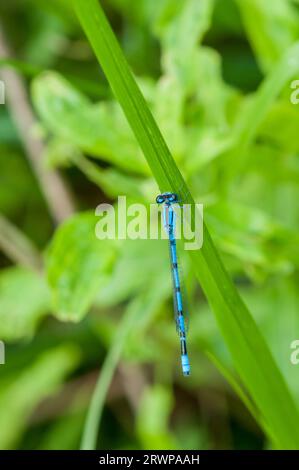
[145,305]
[95,90]
[56,193]
[18,247]
[251,355]
[94,415]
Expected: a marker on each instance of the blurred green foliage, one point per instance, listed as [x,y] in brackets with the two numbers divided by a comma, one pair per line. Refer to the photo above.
[216,75]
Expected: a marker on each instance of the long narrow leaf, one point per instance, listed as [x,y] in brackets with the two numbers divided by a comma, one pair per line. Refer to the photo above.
[145,304]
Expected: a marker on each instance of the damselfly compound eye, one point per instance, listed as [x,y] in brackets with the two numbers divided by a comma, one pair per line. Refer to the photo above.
[159,199]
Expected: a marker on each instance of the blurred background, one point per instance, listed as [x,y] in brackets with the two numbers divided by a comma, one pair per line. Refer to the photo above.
[218,80]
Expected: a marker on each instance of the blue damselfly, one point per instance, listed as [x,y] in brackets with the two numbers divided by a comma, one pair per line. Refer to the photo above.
[169,220]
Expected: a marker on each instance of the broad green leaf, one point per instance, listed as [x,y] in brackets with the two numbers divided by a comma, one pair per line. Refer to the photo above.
[77,264]
[203,147]
[281,126]
[113,182]
[147,11]
[168,110]
[271,165]
[271,185]
[98,129]
[212,94]
[254,238]
[38,381]
[147,256]
[209,133]
[181,38]
[60,153]
[24,301]
[252,358]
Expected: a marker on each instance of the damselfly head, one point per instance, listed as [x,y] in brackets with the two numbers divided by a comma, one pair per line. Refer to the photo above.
[169,198]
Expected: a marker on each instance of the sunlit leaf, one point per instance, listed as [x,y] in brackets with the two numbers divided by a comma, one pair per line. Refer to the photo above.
[24,301]
[77,263]
[39,380]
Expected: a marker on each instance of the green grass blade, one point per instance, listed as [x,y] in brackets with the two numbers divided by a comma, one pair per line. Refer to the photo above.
[228,375]
[252,358]
[270,31]
[145,305]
